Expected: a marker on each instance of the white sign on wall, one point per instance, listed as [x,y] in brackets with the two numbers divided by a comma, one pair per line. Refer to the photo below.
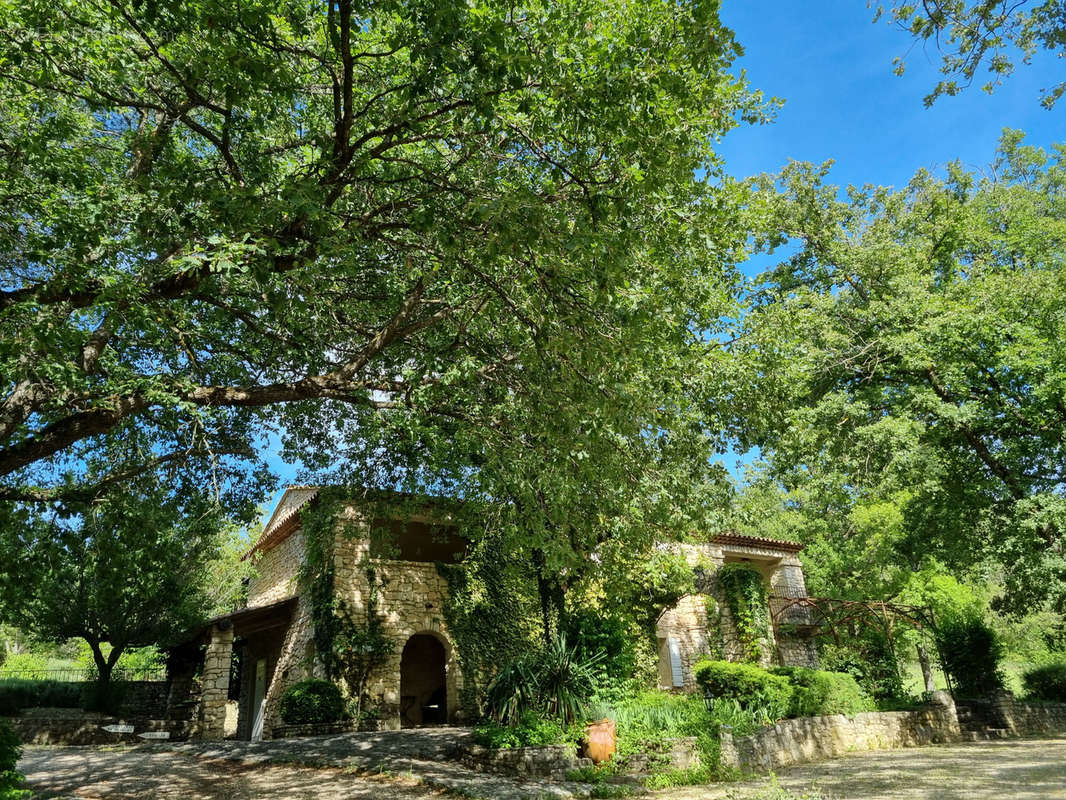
[154,735]
[118,728]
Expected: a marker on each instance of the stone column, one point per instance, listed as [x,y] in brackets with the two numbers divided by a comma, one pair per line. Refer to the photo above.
[211,720]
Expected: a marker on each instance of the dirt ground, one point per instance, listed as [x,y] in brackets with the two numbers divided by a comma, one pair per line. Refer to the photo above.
[146,773]
[1017,769]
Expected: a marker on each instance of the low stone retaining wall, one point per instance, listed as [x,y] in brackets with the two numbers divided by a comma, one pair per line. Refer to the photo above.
[553,761]
[1020,717]
[325,728]
[681,753]
[72,727]
[796,741]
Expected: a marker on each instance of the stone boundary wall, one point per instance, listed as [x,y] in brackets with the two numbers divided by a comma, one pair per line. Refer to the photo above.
[796,741]
[1021,717]
[87,728]
[552,761]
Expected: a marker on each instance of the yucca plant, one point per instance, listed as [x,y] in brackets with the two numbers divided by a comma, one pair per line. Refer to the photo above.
[557,682]
[566,680]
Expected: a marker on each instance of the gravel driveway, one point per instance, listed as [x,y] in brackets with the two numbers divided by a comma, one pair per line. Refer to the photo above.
[1013,769]
[147,773]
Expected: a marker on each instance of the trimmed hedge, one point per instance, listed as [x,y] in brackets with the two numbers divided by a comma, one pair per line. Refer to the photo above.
[816,692]
[312,700]
[784,691]
[1047,682]
[17,694]
[753,687]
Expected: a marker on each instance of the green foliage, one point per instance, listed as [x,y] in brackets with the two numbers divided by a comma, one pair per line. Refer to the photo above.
[126,570]
[312,700]
[555,680]
[25,662]
[745,595]
[972,35]
[870,658]
[1046,682]
[900,370]
[530,730]
[318,526]
[751,686]
[817,692]
[16,695]
[507,319]
[361,646]
[11,782]
[971,654]
[491,613]
[607,635]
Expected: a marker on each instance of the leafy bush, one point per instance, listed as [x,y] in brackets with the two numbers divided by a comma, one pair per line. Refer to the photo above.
[1047,682]
[817,692]
[16,695]
[530,730]
[18,665]
[871,660]
[606,641]
[312,700]
[752,687]
[10,749]
[971,653]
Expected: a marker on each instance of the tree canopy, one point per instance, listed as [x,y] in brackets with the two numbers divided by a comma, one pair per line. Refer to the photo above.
[131,568]
[475,224]
[994,34]
[912,381]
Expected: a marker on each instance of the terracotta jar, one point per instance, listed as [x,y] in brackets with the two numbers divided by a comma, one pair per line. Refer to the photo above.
[601,740]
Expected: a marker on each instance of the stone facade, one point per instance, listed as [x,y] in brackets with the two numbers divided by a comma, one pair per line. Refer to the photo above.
[422,680]
[701,625]
[796,741]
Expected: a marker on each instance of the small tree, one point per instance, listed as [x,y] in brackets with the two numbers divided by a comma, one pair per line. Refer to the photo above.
[360,645]
[127,569]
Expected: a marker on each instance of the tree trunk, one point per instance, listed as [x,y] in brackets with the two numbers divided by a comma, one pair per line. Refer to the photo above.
[927,669]
[101,701]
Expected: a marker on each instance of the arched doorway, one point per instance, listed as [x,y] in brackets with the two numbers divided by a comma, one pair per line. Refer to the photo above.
[423,683]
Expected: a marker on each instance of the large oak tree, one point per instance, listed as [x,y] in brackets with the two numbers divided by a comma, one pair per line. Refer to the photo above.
[389,218]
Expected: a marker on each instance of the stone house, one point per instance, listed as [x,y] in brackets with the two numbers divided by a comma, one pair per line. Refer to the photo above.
[421,681]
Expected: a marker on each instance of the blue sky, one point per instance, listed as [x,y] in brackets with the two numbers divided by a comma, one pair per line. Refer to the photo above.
[833,67]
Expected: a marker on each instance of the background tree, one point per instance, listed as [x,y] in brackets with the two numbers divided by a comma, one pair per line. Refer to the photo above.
[994,34]
[911,380]
[129,569]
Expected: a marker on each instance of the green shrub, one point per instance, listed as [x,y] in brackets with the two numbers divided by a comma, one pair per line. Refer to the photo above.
[16,695]
[11,782]
[531,730]
[817,692]
[607,642]
[752,687]
[312,700]
[1047,682]
[17,665]
[971,654]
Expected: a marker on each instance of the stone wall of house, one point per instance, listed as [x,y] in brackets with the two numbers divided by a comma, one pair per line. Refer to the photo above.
[411,599]
[796,741]
[702,624]
[276,572]
[289,665]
